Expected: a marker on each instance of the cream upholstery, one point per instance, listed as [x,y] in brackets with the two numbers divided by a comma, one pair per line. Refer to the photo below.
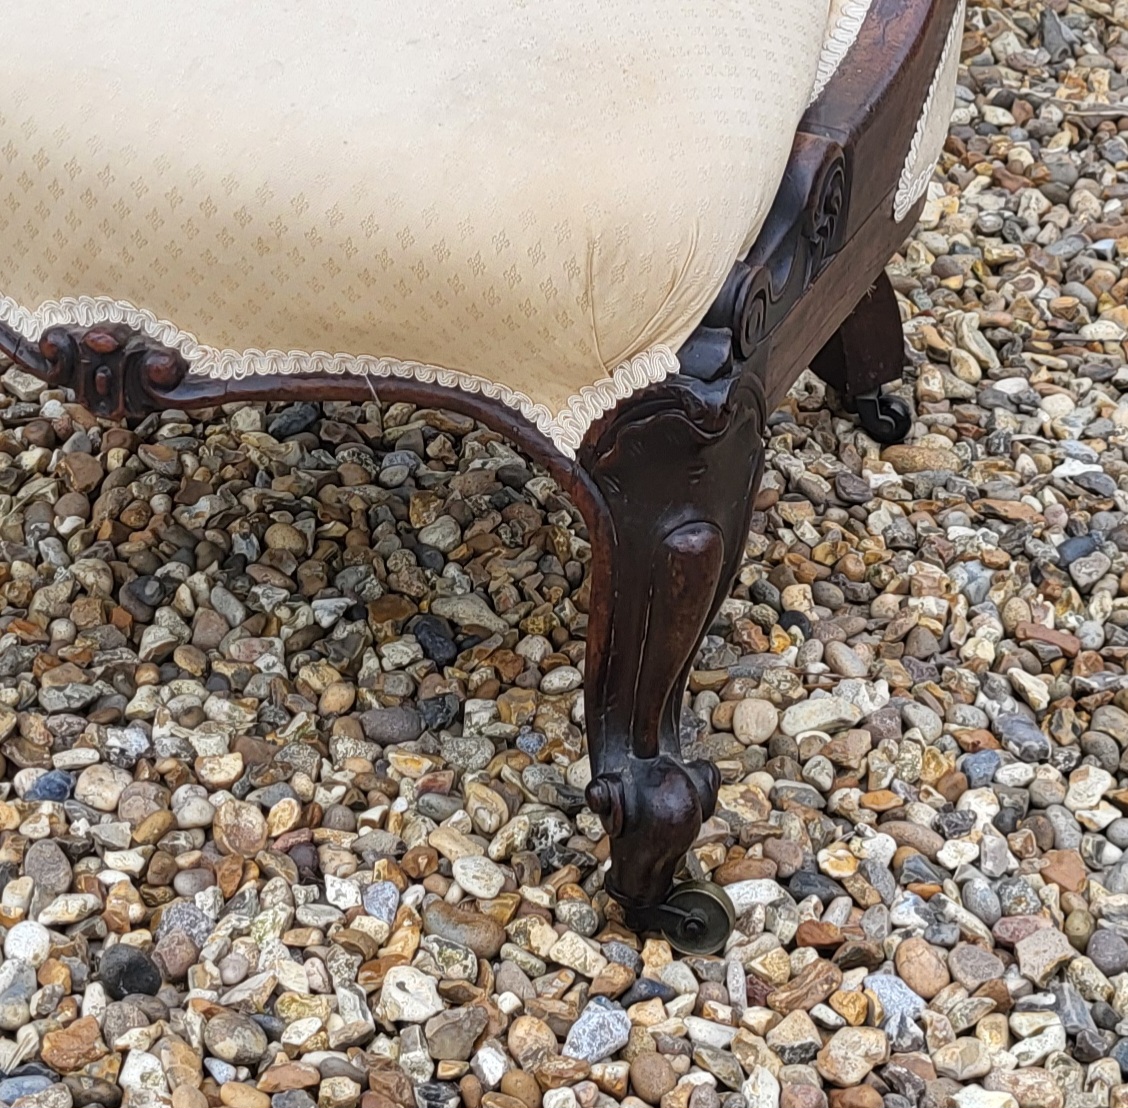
[516,195]
[846,19]
[932,128]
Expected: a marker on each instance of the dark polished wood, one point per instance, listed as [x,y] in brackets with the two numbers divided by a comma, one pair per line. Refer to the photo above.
[677,469]
[868,348]
[113,370]
[667,479]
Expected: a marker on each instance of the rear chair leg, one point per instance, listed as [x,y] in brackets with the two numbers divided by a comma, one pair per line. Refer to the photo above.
[678,468]
[862,355]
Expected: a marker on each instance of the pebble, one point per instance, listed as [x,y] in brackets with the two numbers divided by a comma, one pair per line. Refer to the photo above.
[652,1076]
[1108,951]
[408,996]
[28,942]
[755,721]
[478,876]
[125,970]
[1041,953]
[850,1054]
[922,967]
[972,966]
[479,933]
[235,1038]
[602,1029]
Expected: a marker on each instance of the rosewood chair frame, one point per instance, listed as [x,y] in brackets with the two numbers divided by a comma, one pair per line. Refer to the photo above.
[666,480]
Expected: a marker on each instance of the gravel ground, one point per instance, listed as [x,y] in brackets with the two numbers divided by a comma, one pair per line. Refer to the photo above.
[291,725]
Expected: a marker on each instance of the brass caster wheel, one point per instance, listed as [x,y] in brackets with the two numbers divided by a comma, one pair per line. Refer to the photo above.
[697,918]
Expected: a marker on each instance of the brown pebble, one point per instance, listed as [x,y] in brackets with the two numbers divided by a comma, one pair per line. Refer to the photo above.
[184,1096]
[471,1089]
[861,1096]
[921,967]
[523,1086]
[236,1094]
[793,1095]
[652,1076]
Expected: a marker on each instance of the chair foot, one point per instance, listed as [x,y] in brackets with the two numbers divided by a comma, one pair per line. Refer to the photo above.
[886,419]
[698,917]
[652,809]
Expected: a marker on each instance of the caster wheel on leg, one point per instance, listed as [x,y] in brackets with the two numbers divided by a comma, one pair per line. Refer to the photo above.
[698,918]
[886,419]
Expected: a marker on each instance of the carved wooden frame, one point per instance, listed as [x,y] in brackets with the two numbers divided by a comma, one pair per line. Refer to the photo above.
[666,480]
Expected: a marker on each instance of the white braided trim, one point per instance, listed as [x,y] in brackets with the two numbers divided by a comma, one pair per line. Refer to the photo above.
[921,161]
[842,36]
[565,429]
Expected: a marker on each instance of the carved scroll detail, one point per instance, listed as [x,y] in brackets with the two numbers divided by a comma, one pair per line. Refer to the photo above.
[113,370]
[805,229]
[932,128]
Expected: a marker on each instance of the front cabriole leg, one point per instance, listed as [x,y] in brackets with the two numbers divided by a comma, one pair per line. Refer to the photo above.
[114,371]
[677,468]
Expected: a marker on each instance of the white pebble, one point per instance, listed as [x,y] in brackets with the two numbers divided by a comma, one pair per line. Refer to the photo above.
[29,942]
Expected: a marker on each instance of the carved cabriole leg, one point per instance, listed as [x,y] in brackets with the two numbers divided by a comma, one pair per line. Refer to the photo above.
[677,469]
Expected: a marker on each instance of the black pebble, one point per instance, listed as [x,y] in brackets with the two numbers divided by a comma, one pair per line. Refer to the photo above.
[125,969]
[796,619]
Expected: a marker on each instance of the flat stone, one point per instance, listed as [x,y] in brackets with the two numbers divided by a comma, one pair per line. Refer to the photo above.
[919,837]
[795,1039]
[972,966]
[1042,953]
[101,786]
[917,459]
[652,1076]
[850,1054]
[828,714]
[451,1034]
[755,721]
[965,1059]
[478,876]
[408,996]
[75,1046]
[239,828]
[922,967]
[481,934]
[896,997]
[28,942]
[1108,952]
[602,1029]
[235,1038]
[530,1040]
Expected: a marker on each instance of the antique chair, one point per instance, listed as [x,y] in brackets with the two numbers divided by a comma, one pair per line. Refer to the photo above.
[614,231]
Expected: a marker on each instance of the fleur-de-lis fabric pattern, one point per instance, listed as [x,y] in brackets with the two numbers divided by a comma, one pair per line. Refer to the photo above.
[519,192]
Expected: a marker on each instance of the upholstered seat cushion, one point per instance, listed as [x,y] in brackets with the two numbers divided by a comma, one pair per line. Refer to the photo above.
[539,195]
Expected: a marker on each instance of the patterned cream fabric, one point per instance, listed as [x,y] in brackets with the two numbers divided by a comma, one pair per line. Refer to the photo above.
[539,200]
[846,19]
[932,128]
